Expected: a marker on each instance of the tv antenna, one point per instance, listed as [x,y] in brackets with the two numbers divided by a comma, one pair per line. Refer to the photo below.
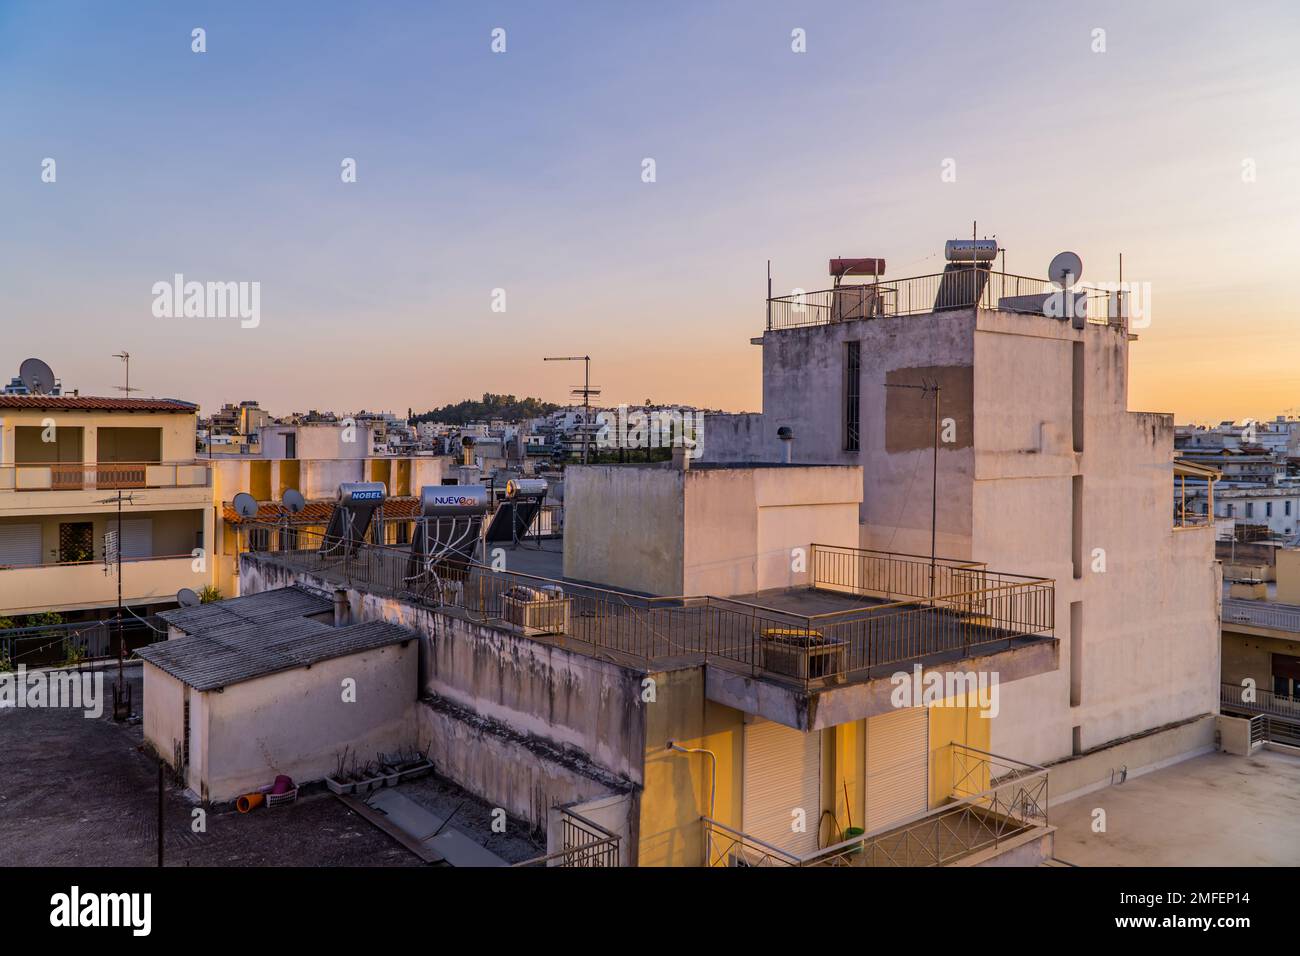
[585,391]
[126,389]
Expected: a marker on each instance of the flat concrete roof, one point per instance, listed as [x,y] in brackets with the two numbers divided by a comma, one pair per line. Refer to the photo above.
[1212,810]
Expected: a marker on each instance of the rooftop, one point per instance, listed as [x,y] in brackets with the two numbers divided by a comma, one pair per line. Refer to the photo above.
[863,613]
[92,404]
[249,637]
[1212,810]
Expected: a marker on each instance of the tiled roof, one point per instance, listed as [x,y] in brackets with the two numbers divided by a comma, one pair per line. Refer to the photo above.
[316,512]
[91,404]
[258,635]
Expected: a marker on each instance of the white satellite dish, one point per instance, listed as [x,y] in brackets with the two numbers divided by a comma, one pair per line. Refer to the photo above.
[1065,270]
[245,505]
[186,597]
[37,376]
[294,502]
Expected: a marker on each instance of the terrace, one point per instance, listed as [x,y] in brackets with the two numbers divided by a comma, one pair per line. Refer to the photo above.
[863,616]
[940,291]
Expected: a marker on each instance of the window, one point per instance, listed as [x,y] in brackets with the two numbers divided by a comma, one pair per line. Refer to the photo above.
[1250,509]
[1286,508]
[259,539]
[852,395]
[288,539]
[290,445]
[1268,509]
[76,541]
[1229,510]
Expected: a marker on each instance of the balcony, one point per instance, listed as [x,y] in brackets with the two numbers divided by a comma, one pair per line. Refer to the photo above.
[88,584]
[100,476]
[865,616]
[957,289]
[995,804]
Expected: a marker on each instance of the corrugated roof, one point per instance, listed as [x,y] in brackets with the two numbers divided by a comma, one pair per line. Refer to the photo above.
[262,608]
[92,404]
[229,648]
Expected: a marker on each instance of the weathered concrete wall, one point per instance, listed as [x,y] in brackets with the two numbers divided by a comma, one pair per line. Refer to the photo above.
[297,722]
[745,436]
[1234,735]
[1075,776]
[525,724]
[803,387]
[1148,594]
[623,527]
[164,718]
[708,530]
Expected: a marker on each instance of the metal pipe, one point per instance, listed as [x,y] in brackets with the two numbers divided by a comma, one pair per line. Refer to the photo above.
[713,786]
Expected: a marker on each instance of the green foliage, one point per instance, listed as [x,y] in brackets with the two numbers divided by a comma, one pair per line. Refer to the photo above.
[74,653]
[506,407]
[44,619]
[7,622]
[210,594]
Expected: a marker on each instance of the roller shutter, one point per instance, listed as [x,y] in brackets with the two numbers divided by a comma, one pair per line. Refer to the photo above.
[783,771]
[898,766]
[137,538]
[20,544]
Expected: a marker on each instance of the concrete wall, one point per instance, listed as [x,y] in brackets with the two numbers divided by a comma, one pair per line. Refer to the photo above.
[1075,776]
[707,530]
[297,722]
[164,717]
[524,724]
[623,527]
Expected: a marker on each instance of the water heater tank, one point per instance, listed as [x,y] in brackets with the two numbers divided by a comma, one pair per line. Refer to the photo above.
[970,250]
[453,500]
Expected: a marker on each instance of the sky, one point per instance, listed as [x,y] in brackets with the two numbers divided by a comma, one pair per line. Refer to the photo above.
[1177,145]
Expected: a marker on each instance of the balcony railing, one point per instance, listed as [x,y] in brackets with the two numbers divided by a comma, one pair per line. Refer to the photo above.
[584,845]
[993,799]
[982,612]
[1278,617]
[90,476]
[1236,698]
[959,289]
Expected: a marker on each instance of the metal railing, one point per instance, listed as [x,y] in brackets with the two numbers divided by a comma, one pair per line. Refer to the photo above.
[1256,701]
[103,475]
[992,800]
[937,292]
[1279,617]
[806,650]
[584,844]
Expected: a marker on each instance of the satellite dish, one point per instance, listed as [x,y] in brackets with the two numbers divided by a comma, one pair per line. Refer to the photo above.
[1065,270]
[37,376]
[245,505]
[186,597]
[294,502]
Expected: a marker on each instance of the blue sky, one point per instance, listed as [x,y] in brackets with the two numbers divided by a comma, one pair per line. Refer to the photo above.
[522,171]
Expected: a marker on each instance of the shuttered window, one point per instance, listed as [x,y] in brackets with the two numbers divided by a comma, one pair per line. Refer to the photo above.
[20,544]
[898,765]
[782,774]
[137,538]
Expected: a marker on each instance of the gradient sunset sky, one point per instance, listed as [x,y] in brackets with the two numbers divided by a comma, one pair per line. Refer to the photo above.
[522,171]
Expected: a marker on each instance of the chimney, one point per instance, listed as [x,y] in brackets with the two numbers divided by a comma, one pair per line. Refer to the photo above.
[342,610]
[786,434]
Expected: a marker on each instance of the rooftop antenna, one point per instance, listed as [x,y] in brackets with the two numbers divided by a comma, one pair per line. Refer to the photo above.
[126,389]
[37,376]
[585,392]
[121,690]
[1064,272]
[926,387]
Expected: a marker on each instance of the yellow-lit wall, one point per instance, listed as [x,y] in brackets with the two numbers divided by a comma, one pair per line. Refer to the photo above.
[677,785]
[175,431]
[676,793]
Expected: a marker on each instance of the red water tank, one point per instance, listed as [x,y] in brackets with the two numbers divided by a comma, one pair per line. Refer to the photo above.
[857,267]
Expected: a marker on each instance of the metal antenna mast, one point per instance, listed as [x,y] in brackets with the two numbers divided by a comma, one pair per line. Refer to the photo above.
[126,389]
[585,392]
[925,389]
